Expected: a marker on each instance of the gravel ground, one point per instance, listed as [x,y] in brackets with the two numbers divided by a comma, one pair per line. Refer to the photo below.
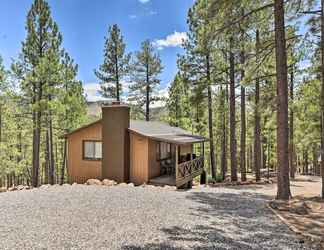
[92,217]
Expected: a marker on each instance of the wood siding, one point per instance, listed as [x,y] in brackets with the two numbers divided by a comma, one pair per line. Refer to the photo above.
[139,173]
[154,165]
[80,170]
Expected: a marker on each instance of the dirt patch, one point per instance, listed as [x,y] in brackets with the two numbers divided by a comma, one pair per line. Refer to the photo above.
[303,215]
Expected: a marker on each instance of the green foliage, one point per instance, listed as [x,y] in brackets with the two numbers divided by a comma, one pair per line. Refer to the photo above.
[146,68]
[115,65]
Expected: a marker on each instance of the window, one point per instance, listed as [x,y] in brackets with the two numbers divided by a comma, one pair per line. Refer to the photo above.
[92,150]
[163,151]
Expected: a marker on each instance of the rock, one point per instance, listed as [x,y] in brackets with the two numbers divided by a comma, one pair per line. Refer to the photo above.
[299,208]
[131,185]
[12,189]
[93,182]
[44,186]
[109,183]
[123,184]
[169,187]
[21,187]
[66,185]
[75,184]
[3,190]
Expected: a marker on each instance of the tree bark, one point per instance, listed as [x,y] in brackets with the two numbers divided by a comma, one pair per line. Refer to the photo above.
[322,95]
[292,166]
[283,183]
[63,162]
[147,112]
[232,115]
[210,120]
[257,126]
[243,123]
[224,134]
[51,152]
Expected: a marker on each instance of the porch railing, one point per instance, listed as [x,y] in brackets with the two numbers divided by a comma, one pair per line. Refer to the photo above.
[188,170]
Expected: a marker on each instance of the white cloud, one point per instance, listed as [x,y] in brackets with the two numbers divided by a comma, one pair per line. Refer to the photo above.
[144,1]
[132,16]
[163,93]
[91,91]
[173,40]
[152,13]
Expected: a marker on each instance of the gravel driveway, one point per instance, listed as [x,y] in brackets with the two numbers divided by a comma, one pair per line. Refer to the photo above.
[94,217]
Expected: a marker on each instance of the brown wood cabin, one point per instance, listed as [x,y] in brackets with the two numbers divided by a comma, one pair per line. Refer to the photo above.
[124,150]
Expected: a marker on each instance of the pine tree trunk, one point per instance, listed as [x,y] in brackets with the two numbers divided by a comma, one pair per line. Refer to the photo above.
[322,95]
[292,166]
[117,77]
[315,158]
[147,112]
[243,123]
[47,156]
[63,162]
[283,183]
[224,135]
[210,120]
[51,151]
[232,116]
[257,125]
[36,146]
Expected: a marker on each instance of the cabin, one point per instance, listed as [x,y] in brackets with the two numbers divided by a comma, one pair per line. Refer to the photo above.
[125,150]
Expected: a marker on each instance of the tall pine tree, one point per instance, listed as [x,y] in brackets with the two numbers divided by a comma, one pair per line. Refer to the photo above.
[145,71]
[115,65]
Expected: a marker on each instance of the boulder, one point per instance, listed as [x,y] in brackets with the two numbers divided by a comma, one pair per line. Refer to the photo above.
[109,183]
[93,182]
[21,187]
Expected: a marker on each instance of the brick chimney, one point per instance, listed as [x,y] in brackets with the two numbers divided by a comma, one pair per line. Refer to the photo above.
[115,142]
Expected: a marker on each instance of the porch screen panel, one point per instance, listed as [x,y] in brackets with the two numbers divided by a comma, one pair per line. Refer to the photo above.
[165,150]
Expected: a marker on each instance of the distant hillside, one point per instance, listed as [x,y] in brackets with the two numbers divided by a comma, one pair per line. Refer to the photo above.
[94,110]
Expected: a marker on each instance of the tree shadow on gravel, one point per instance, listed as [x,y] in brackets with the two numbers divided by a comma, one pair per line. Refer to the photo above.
[228,221]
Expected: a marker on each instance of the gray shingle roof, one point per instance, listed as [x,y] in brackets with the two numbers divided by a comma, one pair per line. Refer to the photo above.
[163,132]
[154,128]
[159,131]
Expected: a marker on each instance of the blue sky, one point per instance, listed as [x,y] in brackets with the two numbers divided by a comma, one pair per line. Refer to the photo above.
[84,23]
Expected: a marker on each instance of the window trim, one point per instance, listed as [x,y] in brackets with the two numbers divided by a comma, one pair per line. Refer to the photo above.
[83,153]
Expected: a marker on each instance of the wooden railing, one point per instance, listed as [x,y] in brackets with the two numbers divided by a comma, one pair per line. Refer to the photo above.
[188,170]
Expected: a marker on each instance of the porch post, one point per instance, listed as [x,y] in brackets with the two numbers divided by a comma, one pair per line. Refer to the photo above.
[203,176]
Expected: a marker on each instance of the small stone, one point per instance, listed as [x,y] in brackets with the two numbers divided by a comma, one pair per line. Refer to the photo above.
[109,183]
[21,187]
[44,186]
[12,189]
[74,184]
[131,185]
[93,182]
[123,184]
[167,187]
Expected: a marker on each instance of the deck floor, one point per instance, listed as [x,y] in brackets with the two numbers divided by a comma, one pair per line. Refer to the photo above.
[163,180]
